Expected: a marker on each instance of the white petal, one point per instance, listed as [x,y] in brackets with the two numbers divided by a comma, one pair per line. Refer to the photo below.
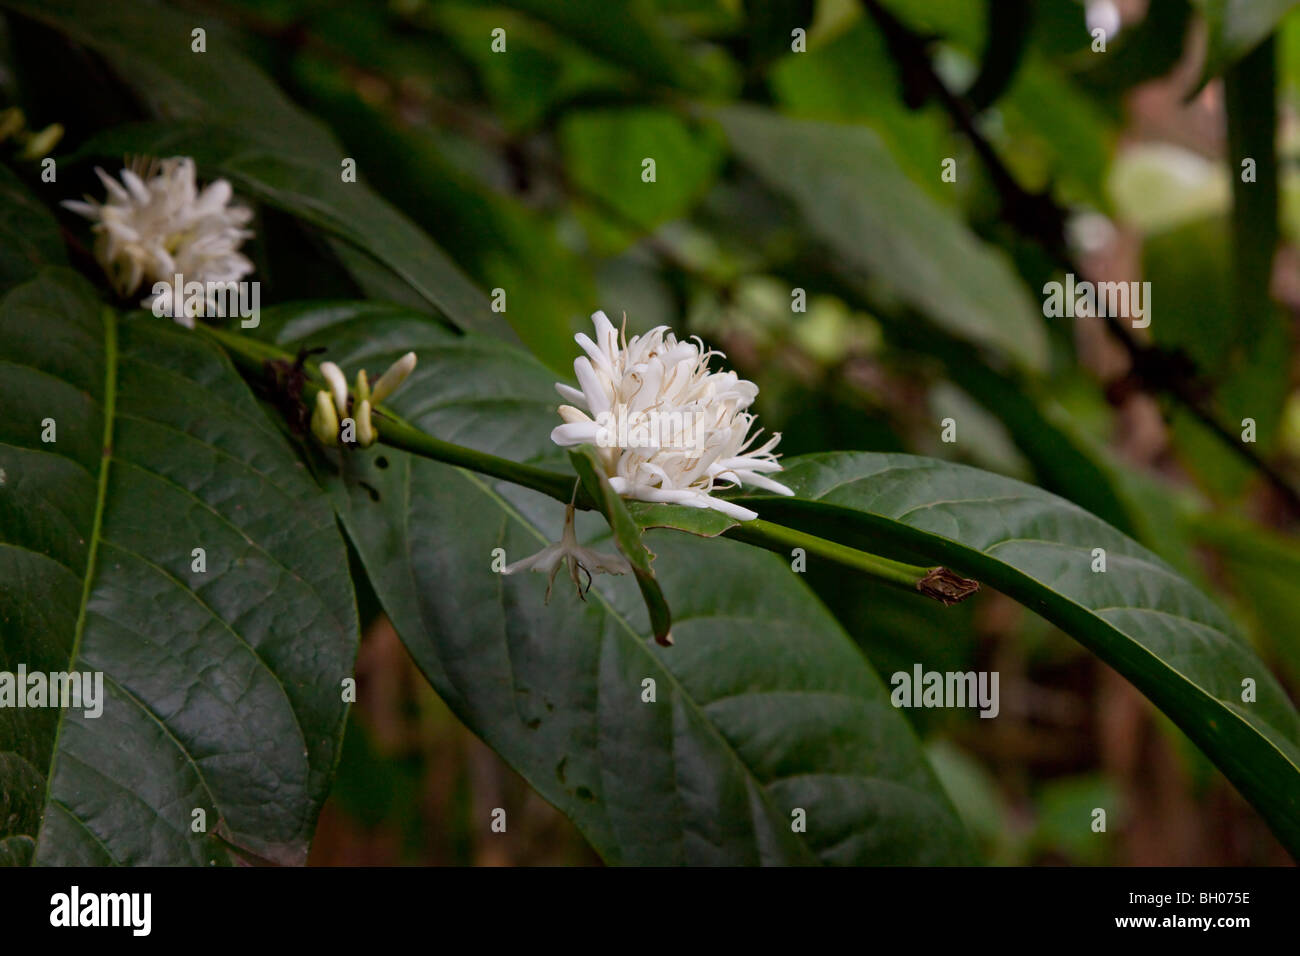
[577,433]
[744,463]
[573,416]
[595,354]
[139,192]
[606,334]
[729,508]
[760,481]
[214,196]
[602,561]
[596,395]
[574,396]
[89,210]
[544,560]
[114,188]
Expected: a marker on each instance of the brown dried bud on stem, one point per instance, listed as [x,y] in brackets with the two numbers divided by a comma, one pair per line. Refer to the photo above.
[945,586]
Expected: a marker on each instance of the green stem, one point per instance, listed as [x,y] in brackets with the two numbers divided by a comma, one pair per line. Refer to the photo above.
[398,433]
[938,583]
[250,355]
[776,537]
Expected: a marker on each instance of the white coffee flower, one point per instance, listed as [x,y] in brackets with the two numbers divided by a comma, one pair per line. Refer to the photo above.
[156,224]
[656,375]
[568,551]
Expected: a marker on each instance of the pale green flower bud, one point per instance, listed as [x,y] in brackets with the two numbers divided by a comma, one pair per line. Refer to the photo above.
[41,143]
[394,377]
[366,433]
[338,385]
[324,420]
[11,121]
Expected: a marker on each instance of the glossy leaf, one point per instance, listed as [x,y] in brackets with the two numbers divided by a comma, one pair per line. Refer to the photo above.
[1062,461]
[222,667]
[29,236]
[705,522]
[1139,616]
[762,707]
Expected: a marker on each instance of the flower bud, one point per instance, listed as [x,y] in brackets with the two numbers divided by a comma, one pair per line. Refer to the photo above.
[324,420]
[11,121]
[395,376]
[338,385]
[363,386]
[366,433]
[41,143]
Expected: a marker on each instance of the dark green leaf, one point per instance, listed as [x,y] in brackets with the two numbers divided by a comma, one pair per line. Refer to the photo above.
[1139,616]
[1063,462]
[222,686]
[705,522]
[544,66]
[763,705]
[29,236]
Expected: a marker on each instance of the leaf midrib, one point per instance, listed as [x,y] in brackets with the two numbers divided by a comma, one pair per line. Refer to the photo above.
[101,497]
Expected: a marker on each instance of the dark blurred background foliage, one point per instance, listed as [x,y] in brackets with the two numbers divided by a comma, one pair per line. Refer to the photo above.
[524,167]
